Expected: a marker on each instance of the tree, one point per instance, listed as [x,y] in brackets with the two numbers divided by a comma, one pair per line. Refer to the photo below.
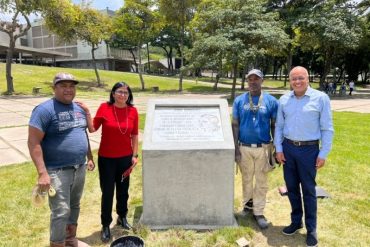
[168,39]
[119,41]
[291,12]
[238,29]
[61,17]
[72,22]
[17,9]
[332,28]
[94,27]
[179,13]
[136,22]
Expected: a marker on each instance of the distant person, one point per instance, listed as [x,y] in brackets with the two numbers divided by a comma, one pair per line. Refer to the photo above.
[331,87]
[118,153]
[303,120]
[253,123]
[335,88]
[58,145]
[351,87]
[326,87]
[343,89]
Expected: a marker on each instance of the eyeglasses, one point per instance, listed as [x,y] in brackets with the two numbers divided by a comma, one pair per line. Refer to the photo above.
[121,92]
[300,78]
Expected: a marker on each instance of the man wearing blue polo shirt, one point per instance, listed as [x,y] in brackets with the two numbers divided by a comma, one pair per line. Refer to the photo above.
[304,118]
[254,115]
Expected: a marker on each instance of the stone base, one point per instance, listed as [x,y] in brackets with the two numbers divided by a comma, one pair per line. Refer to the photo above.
[188,227]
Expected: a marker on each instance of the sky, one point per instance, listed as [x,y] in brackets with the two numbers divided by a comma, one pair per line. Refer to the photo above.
[96,4]
[102,4]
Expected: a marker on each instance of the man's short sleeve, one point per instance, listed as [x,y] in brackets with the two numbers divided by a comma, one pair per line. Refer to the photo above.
[275,105]
[236,108]
[40,118]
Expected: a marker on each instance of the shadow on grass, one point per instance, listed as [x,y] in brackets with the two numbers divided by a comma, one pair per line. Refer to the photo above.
[116,232]
[273,233]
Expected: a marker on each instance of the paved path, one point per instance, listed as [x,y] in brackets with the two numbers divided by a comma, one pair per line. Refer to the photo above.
[16,110]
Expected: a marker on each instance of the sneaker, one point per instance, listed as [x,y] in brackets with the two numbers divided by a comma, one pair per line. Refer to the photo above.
[311,239]
[261,221]
[292,228]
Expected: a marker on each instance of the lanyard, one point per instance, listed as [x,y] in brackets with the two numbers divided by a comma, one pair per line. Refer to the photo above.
[254,108]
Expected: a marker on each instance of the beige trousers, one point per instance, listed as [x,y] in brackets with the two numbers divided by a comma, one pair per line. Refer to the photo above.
[253,165]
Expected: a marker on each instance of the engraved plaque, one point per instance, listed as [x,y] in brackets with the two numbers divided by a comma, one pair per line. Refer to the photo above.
[186,124]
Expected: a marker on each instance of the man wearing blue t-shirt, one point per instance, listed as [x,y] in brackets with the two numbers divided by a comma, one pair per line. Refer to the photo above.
[254,115]
[58,146]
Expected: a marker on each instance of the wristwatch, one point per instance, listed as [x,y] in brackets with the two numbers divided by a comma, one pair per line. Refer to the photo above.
[135,155]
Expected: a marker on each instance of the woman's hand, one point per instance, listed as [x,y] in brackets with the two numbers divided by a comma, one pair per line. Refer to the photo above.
[83,106]
[134,160]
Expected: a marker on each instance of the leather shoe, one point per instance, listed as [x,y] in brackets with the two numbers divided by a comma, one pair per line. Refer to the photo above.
[122,221]
[105,234]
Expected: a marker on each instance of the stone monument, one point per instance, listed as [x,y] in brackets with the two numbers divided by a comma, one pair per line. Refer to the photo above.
[188,165]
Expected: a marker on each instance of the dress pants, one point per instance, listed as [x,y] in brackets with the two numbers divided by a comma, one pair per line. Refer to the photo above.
[110,175]
[300,171]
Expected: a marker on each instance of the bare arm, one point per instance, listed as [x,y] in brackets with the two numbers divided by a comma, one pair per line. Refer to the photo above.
[235,127]
[273,120]
[90,125]
[90,157]
[135,145]
[35,137]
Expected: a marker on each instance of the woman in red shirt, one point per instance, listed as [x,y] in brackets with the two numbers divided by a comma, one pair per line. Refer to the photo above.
[117,153]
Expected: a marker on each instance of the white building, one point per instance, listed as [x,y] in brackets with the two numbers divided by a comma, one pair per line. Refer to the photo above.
[75,54]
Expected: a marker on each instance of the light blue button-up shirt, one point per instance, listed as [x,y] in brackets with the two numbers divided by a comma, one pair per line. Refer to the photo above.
[306,118]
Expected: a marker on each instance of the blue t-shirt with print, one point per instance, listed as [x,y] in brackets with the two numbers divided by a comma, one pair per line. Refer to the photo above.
[65,142]
[254,127]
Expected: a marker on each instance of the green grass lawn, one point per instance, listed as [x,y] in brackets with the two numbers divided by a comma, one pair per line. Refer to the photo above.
[344,220]
[28,76]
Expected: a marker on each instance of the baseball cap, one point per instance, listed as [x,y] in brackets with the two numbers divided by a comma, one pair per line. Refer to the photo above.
[256,72]
[64,77]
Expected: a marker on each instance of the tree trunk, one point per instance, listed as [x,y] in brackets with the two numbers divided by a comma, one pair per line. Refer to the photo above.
[10,30]
[235,70]
[9,59]
[171,67]
[182,46]
[134,57]
[94,65]
[147,50]
[219,74]
[139,68]
[327,65]
[275,68]
[243,75]
[216,82]
[288,64]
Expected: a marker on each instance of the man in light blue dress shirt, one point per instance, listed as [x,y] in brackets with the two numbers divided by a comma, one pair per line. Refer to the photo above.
[303,120]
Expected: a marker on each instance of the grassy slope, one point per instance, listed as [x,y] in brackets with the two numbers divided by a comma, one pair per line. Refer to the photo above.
[28,76]
[343,219]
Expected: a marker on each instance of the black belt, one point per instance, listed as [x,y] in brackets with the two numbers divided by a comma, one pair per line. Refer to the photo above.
[253,145]
[303,143]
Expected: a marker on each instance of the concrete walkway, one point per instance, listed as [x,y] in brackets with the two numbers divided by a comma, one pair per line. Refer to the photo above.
[16,110]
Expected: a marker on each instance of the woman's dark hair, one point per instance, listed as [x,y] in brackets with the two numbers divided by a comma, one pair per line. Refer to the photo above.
[115,87]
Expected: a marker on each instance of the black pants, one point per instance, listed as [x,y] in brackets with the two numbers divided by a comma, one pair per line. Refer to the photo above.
[110,175]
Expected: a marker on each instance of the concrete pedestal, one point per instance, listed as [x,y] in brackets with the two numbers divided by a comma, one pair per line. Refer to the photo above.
[188,165]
